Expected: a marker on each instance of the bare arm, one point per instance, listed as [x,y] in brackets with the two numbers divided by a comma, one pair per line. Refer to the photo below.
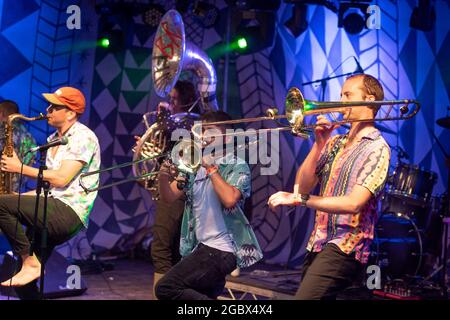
[306,179]
[58,178]
[348,204]
[228,195]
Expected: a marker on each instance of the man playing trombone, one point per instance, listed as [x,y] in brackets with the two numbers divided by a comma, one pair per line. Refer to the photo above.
[351,170]
[68,205]
[215,235]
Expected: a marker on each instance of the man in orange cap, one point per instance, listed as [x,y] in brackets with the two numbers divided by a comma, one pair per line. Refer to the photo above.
[68,204]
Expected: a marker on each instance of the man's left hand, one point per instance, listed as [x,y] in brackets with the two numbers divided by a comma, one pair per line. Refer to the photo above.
[11,164]
[208,161]
[281,198]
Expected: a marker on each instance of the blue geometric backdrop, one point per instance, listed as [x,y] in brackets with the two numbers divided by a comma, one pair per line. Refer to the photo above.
[38,54]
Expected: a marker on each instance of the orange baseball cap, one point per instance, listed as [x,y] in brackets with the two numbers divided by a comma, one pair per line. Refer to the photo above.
[70,97]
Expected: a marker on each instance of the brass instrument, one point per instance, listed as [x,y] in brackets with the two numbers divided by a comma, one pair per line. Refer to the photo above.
[185,155]
[8,149]
[172,54]
[297,108]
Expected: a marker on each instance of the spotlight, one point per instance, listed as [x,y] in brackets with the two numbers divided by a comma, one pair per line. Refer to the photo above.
[242,43]
[423,16]
[104,42]
[153,15]
[206,13]
[298,23]
[112,40]
[353,15]
[247,40]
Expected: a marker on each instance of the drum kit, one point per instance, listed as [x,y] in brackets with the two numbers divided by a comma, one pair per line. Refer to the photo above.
[408,236]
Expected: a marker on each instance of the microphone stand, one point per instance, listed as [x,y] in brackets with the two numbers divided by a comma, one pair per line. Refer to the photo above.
[41,184]
[323,82]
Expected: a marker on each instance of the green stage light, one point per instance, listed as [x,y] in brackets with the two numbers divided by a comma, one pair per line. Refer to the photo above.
[242,43]
[104,42]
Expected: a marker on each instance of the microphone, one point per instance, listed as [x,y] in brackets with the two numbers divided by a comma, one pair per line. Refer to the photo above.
[359,69]
[53,143]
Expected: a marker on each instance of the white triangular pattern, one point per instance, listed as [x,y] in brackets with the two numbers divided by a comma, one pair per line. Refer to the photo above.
[210,38]
[146,84]
[108,69]
[331,31]
[126,84]
[129,60]
[123,105]
[104,103]
[101,213]
[117,195]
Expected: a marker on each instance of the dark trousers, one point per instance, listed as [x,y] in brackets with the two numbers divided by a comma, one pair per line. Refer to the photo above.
[327,273]
[165,248]
[62,224]
[199,276]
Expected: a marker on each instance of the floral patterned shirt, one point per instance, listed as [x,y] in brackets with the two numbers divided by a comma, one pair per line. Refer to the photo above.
[23,141]
[243,239]
[82,146]
[365,163]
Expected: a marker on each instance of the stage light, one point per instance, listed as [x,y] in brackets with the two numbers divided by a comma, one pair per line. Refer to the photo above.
[113,40]
[242,43]
[152,16]
[353,15]
[298,23]
[423,16]
[104,42]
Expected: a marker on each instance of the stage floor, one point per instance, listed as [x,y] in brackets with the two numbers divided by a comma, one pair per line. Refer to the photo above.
[129,279]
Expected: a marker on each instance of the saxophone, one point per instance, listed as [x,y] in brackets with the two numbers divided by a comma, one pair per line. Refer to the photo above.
[8,149]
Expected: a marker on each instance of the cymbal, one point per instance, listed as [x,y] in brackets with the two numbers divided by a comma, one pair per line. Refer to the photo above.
[444,122]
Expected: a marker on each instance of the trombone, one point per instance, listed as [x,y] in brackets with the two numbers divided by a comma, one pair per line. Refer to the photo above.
[297,107]
[182,149]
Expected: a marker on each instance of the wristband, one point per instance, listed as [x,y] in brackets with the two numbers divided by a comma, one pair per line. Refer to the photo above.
[211,170]
[301,199]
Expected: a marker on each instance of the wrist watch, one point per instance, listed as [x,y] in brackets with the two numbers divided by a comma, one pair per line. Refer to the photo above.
[301,199]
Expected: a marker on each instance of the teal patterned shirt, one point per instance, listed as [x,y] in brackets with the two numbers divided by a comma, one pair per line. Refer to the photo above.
[23,141]
[243,239]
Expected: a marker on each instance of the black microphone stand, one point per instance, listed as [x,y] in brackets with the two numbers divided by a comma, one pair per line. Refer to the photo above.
[323,82]
[41,184]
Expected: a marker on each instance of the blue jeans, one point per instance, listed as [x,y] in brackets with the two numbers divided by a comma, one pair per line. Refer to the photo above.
[199,276]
